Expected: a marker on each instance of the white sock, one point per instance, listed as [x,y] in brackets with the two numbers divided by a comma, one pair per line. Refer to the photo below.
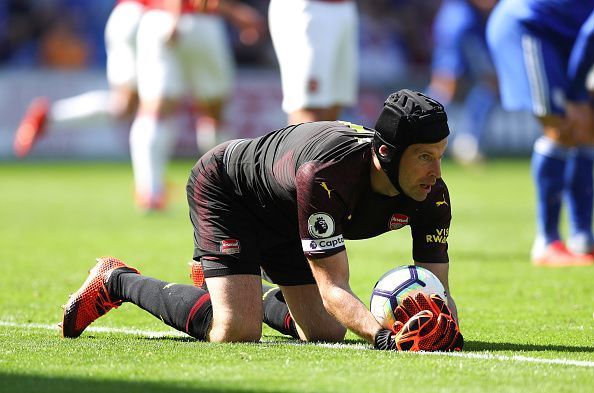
[88,109]
[209,133]
[151,144]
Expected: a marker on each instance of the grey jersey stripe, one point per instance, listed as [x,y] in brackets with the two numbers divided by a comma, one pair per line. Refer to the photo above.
[229,150]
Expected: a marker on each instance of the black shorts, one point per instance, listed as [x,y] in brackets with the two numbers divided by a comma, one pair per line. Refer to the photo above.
[227,237]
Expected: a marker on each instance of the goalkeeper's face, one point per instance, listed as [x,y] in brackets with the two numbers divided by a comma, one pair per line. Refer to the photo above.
[420,167]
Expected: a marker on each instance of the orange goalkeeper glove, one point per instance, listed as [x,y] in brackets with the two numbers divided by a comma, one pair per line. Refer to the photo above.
[430,328]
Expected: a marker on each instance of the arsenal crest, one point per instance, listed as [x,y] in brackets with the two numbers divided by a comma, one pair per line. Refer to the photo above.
[397,221]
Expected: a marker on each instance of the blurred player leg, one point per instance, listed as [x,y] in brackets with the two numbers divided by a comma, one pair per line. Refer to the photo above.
[120,40]
[207,132]
[459,55]
[151,144]
[31,127]
[89,109]
[478,105]
[530,70]
[122,99]
[210,130]
[548,170]
[160,89]
[207,63]
[579,199]
[93,107]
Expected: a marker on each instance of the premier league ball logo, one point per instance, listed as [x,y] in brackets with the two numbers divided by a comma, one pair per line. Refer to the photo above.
[320,225]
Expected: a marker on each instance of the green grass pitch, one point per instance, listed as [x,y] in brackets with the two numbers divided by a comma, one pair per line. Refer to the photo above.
[527,329]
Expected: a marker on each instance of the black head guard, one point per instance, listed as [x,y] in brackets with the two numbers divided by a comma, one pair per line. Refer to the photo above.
[408,117]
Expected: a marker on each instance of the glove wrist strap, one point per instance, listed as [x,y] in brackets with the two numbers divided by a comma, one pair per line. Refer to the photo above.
[384,340]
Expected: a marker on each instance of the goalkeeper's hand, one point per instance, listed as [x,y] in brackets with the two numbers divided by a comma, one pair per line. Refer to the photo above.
[431,328]
[417,302]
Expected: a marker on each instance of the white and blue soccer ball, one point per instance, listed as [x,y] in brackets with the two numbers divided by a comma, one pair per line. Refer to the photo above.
[398,283]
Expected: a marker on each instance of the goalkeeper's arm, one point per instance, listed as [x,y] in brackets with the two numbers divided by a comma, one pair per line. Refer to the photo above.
[441,270]
[332,276]
[431,329]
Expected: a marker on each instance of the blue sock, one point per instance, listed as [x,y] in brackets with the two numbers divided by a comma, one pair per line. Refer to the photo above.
[548,170]
[578,177]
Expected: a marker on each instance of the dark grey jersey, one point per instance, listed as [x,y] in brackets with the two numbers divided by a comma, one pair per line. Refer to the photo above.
[312,182]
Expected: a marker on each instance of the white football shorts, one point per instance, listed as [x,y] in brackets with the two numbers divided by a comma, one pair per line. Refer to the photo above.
[317,49]
[199,63]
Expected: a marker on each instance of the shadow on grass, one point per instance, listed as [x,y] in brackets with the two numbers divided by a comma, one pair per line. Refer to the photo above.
[39,384]
[469,346]
[266,340]
[474,346]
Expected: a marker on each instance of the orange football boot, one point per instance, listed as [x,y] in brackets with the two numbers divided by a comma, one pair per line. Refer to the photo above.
[556,254]
[92,299]
[197,274]
[151,203]
[31,127]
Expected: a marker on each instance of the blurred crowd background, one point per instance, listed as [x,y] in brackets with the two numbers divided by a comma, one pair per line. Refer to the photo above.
[56,48]
[395,35]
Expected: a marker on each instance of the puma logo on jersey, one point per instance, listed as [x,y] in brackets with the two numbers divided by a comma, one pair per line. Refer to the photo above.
[359,129]
[444,202]
[328,190]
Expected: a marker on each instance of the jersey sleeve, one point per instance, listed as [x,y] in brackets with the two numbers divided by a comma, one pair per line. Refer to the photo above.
[322,206]
[431,227]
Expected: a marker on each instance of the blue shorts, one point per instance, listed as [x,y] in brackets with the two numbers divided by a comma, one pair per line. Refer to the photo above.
[531,65]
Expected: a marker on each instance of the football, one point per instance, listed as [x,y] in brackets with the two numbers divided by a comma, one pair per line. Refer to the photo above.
[395,285]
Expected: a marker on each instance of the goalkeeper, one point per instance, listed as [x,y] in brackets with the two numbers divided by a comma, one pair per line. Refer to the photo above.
[282,204]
